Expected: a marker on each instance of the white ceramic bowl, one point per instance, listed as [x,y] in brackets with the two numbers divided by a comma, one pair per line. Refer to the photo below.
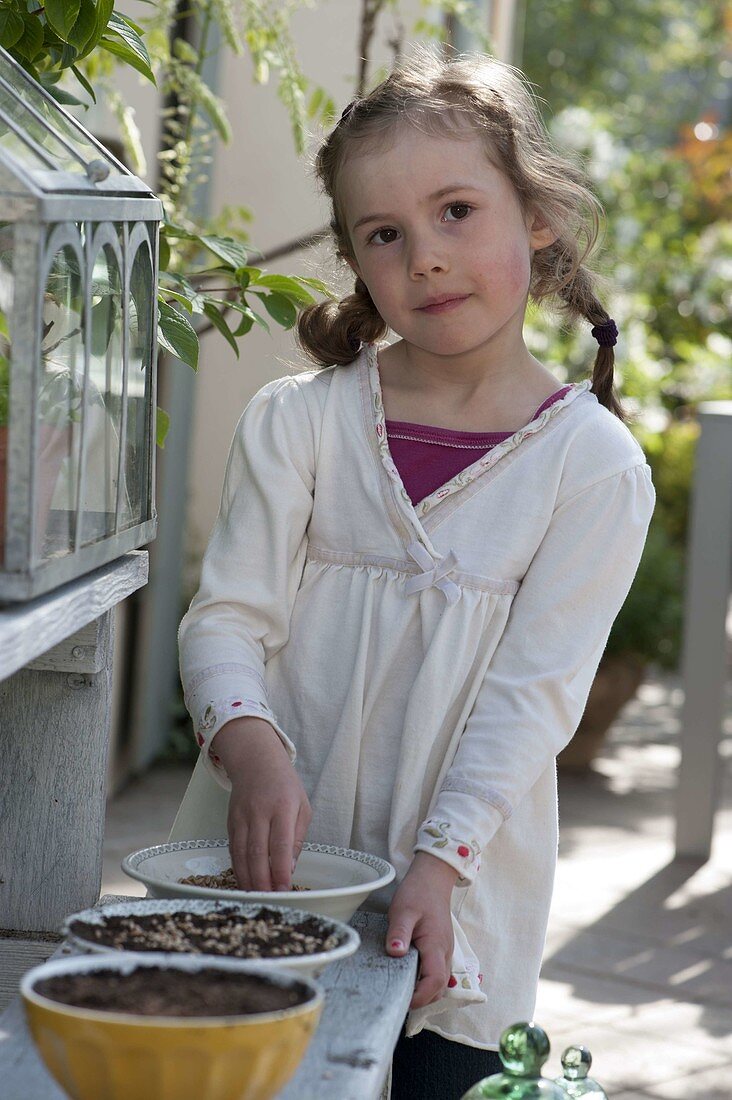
[338,879]
[304,964]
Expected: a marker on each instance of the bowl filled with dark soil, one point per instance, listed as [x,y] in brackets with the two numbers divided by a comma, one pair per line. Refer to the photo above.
[328,880]
[285,938]
[130,1026]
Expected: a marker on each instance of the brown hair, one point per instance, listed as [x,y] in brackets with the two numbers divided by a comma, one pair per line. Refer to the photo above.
[462,96]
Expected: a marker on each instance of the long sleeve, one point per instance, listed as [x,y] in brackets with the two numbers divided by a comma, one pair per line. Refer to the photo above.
[535,690]
[252,567]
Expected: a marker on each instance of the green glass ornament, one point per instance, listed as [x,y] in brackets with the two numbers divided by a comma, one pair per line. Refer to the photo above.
[524,1048]
[576,1062]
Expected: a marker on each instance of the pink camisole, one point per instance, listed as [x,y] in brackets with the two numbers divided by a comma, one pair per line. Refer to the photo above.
[428,457]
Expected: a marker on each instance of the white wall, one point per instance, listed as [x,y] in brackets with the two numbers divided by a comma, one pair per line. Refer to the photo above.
[261,170]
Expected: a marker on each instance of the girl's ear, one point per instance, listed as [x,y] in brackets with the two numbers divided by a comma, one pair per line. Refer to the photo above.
[541,235]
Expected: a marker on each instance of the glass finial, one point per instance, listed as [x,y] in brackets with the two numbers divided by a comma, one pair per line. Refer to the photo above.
[524,1048]
[576,1062]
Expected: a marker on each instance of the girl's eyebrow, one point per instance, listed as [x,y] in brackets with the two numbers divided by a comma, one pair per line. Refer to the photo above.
[430,198]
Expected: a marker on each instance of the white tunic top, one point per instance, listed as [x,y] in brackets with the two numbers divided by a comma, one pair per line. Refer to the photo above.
[423,665]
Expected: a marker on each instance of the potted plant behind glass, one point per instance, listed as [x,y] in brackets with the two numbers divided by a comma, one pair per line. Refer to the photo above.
[648,629]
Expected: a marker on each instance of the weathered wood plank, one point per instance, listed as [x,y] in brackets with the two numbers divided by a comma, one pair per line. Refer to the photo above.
[17,956]
[30,629]
[53,743]
[367,997]
[349,1058]
[85,651]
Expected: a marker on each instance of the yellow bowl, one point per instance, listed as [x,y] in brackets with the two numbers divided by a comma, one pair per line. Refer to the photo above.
[122,1056]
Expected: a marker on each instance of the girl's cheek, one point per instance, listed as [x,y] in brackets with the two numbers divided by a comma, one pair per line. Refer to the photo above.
[510,269]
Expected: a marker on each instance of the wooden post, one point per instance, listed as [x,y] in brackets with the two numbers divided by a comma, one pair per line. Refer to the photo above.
[704,664]
[53,744]
[55,695]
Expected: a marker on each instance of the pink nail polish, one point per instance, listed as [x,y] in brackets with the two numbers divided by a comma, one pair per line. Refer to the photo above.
[397,945]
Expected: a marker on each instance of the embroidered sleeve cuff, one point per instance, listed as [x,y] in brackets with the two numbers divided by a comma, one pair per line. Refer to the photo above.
[215,701]
[439,838]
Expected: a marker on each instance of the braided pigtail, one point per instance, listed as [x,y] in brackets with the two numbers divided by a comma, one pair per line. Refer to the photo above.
[332,332]
[579,300]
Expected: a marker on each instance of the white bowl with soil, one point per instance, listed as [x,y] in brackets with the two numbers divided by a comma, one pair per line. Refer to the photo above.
[127,1026]
[328,880]
[284,938]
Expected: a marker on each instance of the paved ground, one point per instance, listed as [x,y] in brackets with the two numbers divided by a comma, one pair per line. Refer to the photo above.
[638,965]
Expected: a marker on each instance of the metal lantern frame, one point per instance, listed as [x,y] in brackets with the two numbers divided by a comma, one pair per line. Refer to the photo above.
[80,199]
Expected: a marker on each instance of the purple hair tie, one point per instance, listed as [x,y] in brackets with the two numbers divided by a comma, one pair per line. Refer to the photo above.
[606,334]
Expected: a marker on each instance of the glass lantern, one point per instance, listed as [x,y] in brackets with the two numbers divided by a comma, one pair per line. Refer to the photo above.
[78,321]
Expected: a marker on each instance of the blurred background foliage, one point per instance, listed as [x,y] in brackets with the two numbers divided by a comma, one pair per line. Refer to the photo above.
[640,90]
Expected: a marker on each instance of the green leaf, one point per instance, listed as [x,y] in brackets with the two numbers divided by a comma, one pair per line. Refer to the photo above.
[85,25]
[32,38]
[84,82]
[317,284]
[177,335]
[162,424]
[227,249]
[219,322]
[130,33]
[287,286]
[124,53]
[64,97]
[11,28]
[250,315]
[69,55]
[163,253]
[281,309]
[244,325]
[104,10]
[62,14]
[186,302]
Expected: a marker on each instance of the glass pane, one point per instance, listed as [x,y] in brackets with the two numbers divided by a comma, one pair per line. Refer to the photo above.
[141,307]
[59,406]
[12,110]
[6,307]
[103,401]
[17,95]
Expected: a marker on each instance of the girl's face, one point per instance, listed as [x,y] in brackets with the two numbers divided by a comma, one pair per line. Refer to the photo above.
[441,242]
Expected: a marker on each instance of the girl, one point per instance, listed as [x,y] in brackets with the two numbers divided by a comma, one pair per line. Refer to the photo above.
[421,548]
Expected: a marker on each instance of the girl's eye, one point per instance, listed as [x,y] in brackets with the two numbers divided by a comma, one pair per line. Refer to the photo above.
[462,206]
[376,233]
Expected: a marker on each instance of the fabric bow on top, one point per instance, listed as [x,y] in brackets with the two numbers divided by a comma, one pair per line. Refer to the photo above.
[434,572]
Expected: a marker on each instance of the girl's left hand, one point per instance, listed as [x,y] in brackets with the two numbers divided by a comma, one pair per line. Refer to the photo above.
[420,914]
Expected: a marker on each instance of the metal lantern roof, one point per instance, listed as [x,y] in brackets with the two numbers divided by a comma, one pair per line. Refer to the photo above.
[51,165]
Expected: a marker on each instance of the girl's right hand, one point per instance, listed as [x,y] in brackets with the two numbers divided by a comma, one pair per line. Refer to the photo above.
[269,812]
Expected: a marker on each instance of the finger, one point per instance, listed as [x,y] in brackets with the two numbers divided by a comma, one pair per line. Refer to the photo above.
[238,853]
[258,855]
[433,974]
[281,841]
[302,825]
[399,932]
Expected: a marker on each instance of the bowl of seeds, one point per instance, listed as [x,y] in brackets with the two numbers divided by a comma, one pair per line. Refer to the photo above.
[131,1026]
[284,938]
[328,880]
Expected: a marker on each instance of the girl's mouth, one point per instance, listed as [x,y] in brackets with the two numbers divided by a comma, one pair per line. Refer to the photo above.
[444,307]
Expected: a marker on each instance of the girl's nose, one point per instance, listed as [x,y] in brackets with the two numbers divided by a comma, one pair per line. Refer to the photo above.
[426,256]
